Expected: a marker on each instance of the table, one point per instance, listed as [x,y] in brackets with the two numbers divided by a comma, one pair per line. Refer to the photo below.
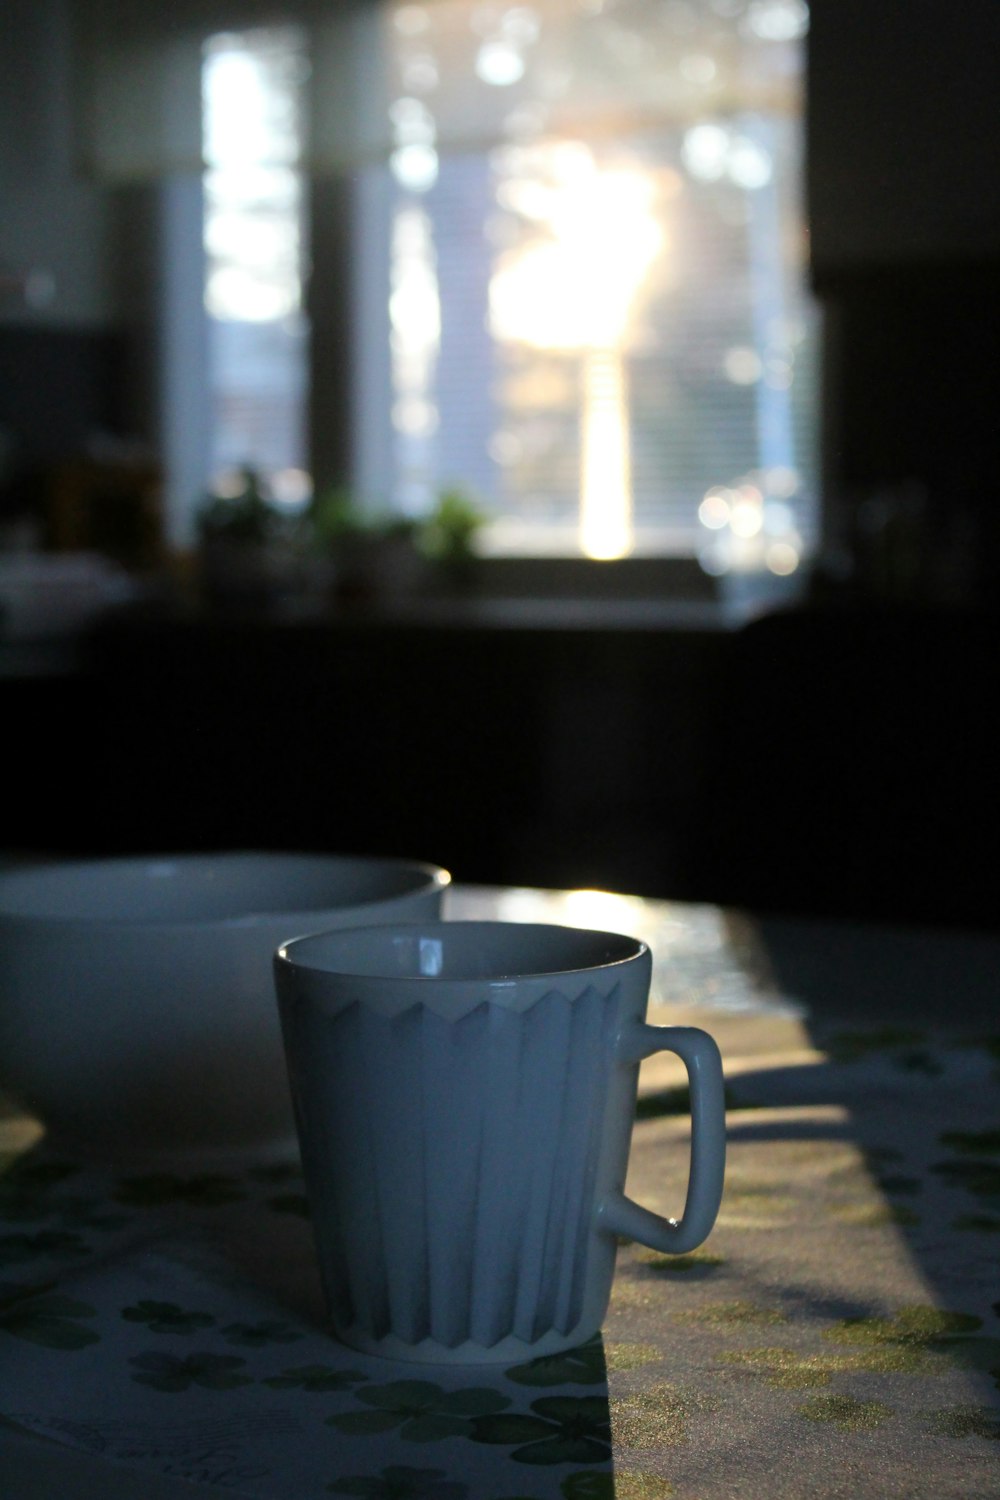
[837,1336]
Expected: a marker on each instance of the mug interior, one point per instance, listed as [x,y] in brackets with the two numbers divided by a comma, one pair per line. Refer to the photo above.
[208,888]
[494,951]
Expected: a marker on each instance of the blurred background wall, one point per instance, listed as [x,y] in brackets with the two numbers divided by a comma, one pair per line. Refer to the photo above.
[826,750]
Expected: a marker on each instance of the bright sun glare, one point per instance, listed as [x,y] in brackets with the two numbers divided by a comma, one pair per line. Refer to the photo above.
[574,290]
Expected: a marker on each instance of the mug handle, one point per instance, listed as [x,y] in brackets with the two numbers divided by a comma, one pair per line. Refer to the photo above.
[700,1055]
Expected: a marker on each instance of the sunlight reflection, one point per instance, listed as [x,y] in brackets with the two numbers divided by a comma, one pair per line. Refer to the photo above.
[714,511]
[712,152]
[253,189]
[604,910]
[415,316]
[606,470]
[751,526]
[703,960]
[499,63]
[411,20]
[781,558]
[573,289]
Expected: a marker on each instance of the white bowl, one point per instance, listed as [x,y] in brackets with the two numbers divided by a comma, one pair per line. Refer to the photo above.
[137,1005]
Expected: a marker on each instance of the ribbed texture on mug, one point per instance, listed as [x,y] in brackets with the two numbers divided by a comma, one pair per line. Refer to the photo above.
[460,1207]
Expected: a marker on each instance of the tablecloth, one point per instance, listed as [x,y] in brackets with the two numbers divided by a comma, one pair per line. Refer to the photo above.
[837,1336]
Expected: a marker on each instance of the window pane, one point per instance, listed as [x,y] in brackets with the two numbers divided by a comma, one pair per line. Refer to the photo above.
[594,332]
[254,213]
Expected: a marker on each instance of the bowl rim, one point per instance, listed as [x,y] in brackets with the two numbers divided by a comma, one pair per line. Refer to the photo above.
[434,878]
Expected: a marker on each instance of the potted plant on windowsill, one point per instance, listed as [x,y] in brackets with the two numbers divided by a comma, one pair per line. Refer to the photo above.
[369,554]
[247,548]
[447,536]
[360,555]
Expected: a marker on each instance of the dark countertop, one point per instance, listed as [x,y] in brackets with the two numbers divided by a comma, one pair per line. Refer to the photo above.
[814,762]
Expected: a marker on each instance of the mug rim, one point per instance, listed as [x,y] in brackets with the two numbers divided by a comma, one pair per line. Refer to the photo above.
[291,955]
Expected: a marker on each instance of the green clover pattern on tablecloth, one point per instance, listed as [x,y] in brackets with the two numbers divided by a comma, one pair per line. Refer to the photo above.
[420,1410]
[256,1335]
[173,1372]
[559,1429]
[55,1243]
[399,1482]
[202,1190]
[46,1317]
[859,1372]
[316,1378]
[166,1317]
[584,1365]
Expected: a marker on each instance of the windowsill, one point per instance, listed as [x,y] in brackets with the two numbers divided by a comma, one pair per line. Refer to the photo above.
[568,592]
[630,579]
[527,613]
[520,593]
[503,595]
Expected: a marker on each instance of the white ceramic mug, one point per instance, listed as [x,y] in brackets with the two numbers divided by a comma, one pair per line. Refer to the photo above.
[464,1094]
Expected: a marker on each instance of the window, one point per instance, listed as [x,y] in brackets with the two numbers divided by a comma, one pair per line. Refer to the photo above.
[579,273]
[254,218]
